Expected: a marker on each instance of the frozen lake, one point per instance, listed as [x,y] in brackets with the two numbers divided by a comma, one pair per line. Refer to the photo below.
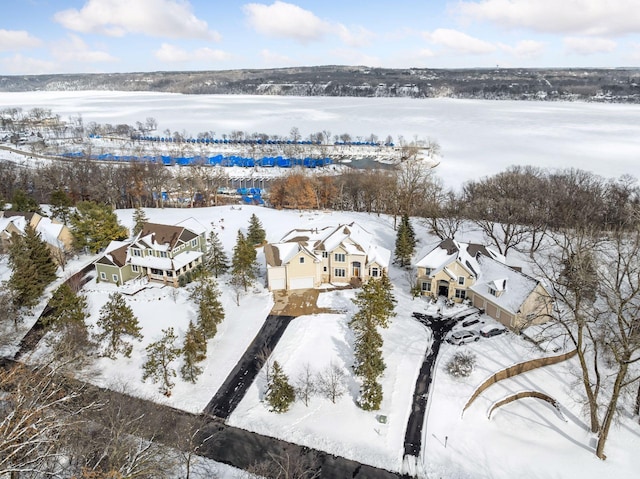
[478,138]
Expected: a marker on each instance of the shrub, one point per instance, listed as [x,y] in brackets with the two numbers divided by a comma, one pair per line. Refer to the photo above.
[461,365]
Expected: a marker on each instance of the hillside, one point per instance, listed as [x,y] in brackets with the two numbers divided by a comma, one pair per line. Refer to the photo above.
[620,85]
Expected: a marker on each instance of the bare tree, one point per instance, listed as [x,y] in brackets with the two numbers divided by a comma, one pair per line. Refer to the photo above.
[305,384]
[331,382]
[286,466]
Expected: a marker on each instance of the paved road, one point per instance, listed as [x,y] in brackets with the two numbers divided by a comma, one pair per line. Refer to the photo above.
[440,327]
[243,374]
[211,437]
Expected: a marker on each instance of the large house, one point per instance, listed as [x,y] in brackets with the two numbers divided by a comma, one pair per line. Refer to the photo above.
[56,235]
[309,258]
[475,272]
[159,253]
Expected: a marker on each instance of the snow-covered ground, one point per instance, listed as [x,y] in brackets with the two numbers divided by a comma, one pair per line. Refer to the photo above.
[527,438]
[477,137]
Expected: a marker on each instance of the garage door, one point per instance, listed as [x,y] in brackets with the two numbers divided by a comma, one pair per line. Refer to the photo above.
[275,284]
[302,283]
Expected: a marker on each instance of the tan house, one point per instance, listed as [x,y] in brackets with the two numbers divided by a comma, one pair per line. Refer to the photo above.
[460,271]
[158,253]
[57,236]
[309,258]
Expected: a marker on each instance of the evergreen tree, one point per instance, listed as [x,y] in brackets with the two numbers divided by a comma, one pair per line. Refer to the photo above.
[95,225]
[68,317]
[194,350]
[216,259]
[280,394]
[139,219]
[405,242]
[117,320]
[32,267]
[66,307]
[210,312]
[255,234]
[24,203]
[243,263]
[60,204]
[370,395]
[376,304]
[160,355]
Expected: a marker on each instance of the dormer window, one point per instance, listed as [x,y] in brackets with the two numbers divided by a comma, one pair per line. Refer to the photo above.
[301,259]
[493,292]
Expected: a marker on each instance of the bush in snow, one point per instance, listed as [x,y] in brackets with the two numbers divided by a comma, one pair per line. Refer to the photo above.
[461,365]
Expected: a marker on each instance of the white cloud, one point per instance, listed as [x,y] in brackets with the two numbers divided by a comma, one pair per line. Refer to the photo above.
[172,54]
[272,58]
[356,37]
[459,42]
[588,45]
[524,49]
[586,17]
[157,18]
[19,64]
[12,40]
[74,50]
[634,52]
[285,20]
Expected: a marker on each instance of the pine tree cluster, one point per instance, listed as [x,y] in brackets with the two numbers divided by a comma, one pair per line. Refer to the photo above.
[95,225]
[376,304]
[32,267]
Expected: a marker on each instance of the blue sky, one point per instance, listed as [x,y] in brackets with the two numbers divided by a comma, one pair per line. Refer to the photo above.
[70,36]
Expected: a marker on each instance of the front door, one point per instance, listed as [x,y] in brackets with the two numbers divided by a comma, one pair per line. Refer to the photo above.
[355,269]
[443,289]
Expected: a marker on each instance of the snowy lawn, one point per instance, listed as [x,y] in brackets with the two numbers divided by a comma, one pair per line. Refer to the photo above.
[342,428]
[526,438]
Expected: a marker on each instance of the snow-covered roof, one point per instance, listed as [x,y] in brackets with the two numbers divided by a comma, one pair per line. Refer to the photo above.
[193,224]
[49,230]
[115,253]
[165,264]
[513,286]
[466,254]
[351,237]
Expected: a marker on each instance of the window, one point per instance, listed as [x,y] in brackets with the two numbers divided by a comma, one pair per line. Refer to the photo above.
[339,257]
[324,269]
[136,252]
[134,268]
[163,254]
[114,277]
[493,292]
[427,271]
[156,271]
[461,280]
[170,274]
[426,286]
[103,275]
[194,242]
[325,254]
[375,272]
[150,252]
[461,293]
[301,259]
[340,273]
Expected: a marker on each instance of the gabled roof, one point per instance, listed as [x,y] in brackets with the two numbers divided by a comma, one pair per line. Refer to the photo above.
[450,250]
[279,254]
[514,286]
[153,234]
[115,254]
[351,237]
